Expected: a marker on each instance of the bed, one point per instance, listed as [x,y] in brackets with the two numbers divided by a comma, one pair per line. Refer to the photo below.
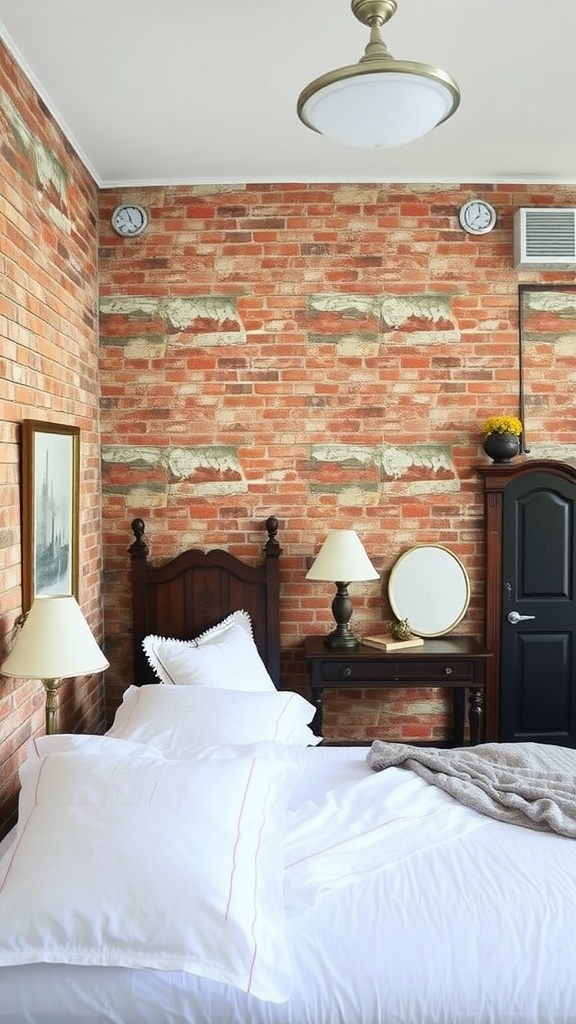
[208,861]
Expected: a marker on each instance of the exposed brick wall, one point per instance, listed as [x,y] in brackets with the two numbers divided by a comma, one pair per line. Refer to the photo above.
[325,353]
[48,371]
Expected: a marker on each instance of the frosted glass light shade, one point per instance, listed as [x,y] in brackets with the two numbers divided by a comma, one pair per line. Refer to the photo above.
[379,102]
[342,558]
[55,642]
[380,109]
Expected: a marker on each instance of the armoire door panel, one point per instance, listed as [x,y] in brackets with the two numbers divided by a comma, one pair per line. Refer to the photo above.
[538,705]
[544,538]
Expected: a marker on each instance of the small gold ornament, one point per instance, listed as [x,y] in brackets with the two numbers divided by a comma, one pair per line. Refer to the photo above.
[400,630]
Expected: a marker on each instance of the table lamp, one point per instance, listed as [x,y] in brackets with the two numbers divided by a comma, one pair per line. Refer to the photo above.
[54,643]
[342,558]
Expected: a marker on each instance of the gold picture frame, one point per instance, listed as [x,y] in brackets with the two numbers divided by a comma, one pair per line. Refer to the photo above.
[50,509]
[429,586]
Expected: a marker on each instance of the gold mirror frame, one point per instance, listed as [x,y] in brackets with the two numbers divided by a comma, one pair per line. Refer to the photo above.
[430,587]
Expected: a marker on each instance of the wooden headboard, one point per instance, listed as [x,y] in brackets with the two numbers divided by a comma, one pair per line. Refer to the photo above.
[198,589]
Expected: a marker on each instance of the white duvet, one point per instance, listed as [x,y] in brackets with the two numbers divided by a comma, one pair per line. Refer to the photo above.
[401,907]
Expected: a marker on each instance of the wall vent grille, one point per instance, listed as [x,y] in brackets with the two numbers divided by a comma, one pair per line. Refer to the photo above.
[545,237]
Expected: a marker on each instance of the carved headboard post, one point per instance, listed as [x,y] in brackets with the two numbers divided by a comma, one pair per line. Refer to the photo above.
[138,552]
[272,548]
[272,551]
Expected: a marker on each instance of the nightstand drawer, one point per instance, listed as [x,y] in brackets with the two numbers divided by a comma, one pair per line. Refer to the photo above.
[435,673]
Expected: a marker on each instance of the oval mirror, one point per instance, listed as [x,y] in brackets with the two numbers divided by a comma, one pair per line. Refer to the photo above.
[429,586]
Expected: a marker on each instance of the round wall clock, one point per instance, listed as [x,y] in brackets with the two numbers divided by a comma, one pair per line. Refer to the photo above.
[477,217]
[129,220]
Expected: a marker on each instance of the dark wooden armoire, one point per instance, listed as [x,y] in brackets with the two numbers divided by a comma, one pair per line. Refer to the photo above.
[530,601]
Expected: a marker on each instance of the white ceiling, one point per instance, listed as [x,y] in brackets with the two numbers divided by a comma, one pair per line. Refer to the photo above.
[192,91]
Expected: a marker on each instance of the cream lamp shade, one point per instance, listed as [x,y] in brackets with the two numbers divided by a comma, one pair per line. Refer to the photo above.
[379,102]
[54,643]
[342,560]
[342,557]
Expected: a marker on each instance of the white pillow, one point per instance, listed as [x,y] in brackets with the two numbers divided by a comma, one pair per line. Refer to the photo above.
[176,718]
[225,655]
[153,863]
[65,742]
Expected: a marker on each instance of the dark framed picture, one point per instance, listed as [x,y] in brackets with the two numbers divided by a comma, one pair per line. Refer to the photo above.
[50,509]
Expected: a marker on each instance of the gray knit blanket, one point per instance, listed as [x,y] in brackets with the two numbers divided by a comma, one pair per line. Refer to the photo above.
[528,784]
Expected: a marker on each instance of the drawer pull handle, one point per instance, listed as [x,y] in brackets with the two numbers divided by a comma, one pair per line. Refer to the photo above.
[347,672]
[448,671]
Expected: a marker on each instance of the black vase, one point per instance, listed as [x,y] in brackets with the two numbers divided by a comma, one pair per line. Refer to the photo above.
[501,447]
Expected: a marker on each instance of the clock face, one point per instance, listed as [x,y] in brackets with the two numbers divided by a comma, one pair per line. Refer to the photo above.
[477,217]
[129,220]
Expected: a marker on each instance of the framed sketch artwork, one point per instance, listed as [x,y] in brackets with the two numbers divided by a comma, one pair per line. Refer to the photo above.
[50,509]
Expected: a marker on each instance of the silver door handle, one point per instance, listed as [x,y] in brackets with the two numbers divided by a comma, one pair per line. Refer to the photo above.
[515,617]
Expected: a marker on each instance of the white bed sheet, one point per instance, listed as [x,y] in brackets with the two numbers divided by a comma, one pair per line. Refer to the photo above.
[478,929]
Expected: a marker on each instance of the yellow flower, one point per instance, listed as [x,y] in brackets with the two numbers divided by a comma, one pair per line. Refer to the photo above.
[502,425]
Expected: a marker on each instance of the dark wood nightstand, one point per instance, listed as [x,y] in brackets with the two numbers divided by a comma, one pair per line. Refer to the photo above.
[454,662]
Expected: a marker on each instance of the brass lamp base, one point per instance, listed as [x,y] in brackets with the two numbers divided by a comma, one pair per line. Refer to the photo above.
[51,686]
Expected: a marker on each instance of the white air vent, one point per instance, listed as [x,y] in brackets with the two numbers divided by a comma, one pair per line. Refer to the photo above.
[545,238]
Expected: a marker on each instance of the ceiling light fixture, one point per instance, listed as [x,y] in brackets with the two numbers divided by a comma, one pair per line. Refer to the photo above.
[379,102]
